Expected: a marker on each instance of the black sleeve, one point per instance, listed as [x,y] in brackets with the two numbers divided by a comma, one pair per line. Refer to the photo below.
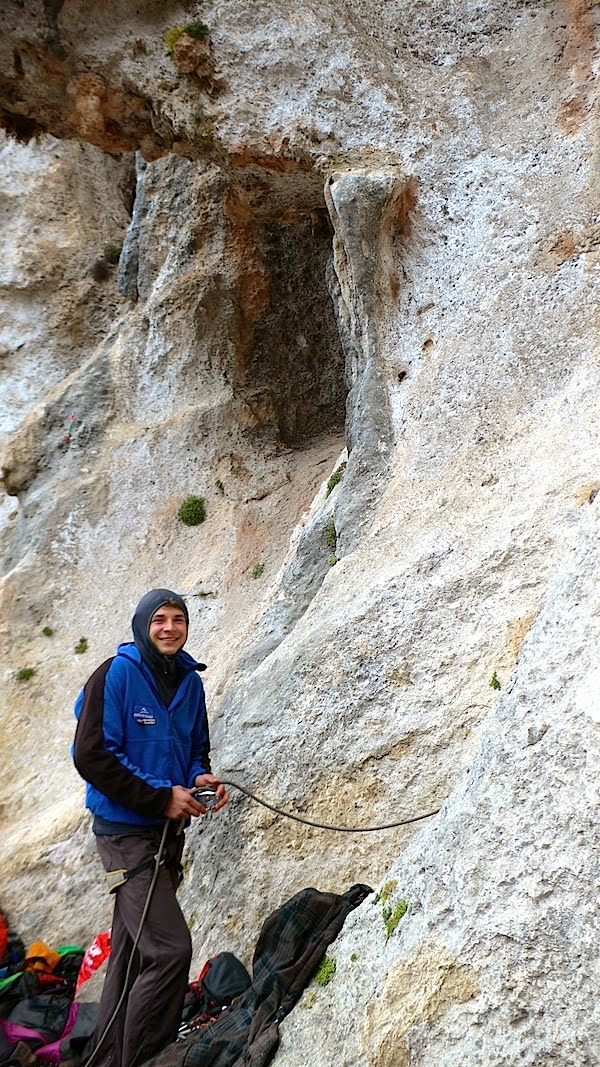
[102,768]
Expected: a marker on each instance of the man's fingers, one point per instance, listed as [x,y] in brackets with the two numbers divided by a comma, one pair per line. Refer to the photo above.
[185,804]
[195,807]
[223,798]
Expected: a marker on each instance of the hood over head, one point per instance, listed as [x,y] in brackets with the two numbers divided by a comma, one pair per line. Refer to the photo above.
[148,606]
[163,667]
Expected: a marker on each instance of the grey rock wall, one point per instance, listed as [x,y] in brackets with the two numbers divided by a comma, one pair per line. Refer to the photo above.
[501,890]
[431,167]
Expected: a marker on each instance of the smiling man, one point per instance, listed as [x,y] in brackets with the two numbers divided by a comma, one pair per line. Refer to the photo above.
[168,629]
[142,746]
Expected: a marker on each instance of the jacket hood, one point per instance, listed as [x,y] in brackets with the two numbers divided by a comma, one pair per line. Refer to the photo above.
[147,607]
[164,668]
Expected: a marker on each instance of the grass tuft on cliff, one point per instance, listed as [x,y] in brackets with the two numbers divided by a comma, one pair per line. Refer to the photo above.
[335,478]
[325,971]
[193,511]
[197,29]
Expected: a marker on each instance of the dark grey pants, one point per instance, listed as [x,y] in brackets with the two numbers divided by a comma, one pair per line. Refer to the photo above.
[151,1012]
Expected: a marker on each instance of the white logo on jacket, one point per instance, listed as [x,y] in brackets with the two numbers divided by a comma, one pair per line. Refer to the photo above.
[143,715]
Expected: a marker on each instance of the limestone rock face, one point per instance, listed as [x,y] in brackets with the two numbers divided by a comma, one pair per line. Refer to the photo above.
[349,233]
[474,971]
[63,206]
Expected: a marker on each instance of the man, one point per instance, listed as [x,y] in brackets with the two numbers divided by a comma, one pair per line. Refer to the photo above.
[142,746]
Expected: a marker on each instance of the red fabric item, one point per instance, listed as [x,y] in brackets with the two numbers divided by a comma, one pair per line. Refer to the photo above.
[3,936]
[95,955]
[195,986]
[49,983]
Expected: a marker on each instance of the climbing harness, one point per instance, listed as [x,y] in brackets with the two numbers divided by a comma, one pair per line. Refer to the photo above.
[115,879]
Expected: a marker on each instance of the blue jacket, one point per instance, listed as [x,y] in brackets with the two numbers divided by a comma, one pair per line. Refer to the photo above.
[129,747]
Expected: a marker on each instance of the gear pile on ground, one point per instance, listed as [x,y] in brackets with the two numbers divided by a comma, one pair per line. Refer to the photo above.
[227,1020]
[39,1018]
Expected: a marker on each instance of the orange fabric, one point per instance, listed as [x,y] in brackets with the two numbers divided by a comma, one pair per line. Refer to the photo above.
[40,958]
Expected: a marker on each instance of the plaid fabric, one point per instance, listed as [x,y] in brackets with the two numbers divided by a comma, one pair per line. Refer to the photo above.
[290,947]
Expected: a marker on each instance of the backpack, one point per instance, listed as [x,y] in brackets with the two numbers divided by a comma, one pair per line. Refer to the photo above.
[44,1015]
[69,964]
[222,979]
[16,988]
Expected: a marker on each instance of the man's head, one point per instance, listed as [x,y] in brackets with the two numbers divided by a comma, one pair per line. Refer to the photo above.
[161,619]
[168,629]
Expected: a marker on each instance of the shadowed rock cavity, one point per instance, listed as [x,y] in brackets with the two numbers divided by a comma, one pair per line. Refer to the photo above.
[294,357]
[249,281]
[288,362]
[366,209]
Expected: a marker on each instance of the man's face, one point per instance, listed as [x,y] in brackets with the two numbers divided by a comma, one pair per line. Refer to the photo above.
[168,629]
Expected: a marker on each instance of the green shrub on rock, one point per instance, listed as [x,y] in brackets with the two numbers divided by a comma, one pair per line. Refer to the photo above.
[325,971]
[335,478]
[197,29]
[193,511]
[25,673]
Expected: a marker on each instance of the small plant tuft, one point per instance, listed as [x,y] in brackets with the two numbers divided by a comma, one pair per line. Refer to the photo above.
[386,891]
[257,570]
[354,957]
[330,534]
[197,29]
[173,36]
[47,631]
[335,478]
[81,646]
[74,427]
[325,971]
[392,916]
[332,560]
[495,684]
[193,511]
[112,252]
[25,673]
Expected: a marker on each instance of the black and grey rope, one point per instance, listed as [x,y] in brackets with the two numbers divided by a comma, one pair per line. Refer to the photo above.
[322,825]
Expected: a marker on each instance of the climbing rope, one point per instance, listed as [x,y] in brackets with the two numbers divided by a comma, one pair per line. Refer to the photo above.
[157,862]
[326,826]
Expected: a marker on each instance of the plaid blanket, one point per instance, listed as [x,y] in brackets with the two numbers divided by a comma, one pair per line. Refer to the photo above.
[290,947]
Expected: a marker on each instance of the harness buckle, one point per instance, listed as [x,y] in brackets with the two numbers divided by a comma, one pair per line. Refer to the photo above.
[116,879]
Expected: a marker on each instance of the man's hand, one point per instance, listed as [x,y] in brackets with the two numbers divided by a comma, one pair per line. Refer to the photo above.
[202,781]
[182,804]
